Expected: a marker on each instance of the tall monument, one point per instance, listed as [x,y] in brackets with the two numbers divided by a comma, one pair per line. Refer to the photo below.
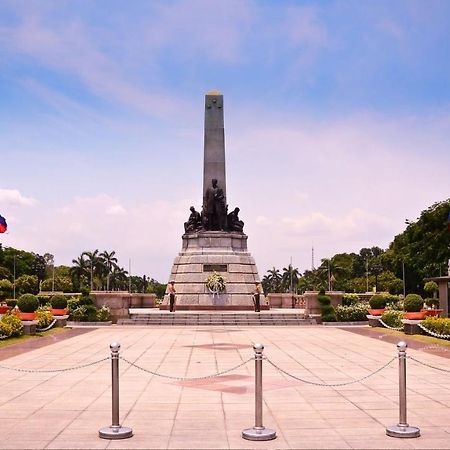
[214,240]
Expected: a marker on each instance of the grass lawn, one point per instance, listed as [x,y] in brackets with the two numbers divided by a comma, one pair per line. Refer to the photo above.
[24,338]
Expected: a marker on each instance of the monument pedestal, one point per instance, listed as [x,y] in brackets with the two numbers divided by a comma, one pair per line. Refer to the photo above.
[205,252]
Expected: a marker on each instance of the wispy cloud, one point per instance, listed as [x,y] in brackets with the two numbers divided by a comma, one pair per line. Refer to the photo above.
[12,197]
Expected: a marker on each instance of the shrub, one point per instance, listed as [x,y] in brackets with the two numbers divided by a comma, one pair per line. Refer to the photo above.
[432,302]
[5,329]
[28,303]
[86,299]
[353,313]
[327,313]
[377,301]
[44,317]
[350,299]
[104,314]
[393,318]
[438,325]
[84,313]
[430,287]
[14,322]
[413,303]
[11,302]
[58,302]
[43,299]
[329,317]
[324,300]
[6,289]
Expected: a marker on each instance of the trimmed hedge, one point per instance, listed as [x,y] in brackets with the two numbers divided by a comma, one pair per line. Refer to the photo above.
[28,303]
[353,313]
[393,318]
[413,303]
[58,302]
[377,301]
[439,325]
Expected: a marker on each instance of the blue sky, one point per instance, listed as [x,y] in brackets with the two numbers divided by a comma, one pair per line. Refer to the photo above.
[337,122]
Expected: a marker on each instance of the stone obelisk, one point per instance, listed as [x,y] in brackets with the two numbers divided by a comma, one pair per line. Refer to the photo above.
[211,244]
[214,143]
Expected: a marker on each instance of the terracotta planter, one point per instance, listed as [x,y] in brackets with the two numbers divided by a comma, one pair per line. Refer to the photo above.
[414,315]
[432,312]
[4,309]
[376,312]
[59,312]
[26,316]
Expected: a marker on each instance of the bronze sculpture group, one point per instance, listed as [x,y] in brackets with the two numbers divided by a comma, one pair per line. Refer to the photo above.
[214,216]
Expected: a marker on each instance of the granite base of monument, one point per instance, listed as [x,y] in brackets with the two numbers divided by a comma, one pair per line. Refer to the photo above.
[205,252]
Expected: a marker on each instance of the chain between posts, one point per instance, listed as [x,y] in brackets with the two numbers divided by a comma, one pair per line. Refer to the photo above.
[389,327]
[432,333]
[67,369]
[346,383]
[427,365]
[186,378]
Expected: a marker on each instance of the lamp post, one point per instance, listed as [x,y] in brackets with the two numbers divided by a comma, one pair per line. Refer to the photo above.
[14,275]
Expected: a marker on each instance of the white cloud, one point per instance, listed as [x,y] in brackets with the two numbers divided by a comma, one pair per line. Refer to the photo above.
[116,210]
[12,197]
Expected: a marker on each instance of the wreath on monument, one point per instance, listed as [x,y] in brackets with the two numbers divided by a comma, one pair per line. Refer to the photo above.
[215,283]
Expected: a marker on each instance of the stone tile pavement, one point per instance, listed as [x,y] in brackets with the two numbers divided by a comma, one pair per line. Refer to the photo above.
[65,410]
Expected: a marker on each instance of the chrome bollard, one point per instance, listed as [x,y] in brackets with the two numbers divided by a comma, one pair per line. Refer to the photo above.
[258,432]
[115,431]
[402,429]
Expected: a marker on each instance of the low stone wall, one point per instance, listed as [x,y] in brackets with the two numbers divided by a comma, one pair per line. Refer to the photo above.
[278,300]
[120,301]
[312,305]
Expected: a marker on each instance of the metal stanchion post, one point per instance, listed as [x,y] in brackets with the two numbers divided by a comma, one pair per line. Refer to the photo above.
[258,432]
[402,429]
[115,431]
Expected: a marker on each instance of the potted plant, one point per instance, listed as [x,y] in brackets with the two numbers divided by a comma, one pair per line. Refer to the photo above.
[59,305]
[413,305]
[27,304]
[432,307]
[377,305]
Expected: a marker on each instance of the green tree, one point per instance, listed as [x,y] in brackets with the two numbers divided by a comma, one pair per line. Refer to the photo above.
[6,289]
[424,246]
[27,284]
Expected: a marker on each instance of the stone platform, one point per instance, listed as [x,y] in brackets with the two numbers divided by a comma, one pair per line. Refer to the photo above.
[206,252]
[275,317]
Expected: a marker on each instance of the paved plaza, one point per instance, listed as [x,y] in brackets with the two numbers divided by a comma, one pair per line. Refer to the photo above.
[66,409]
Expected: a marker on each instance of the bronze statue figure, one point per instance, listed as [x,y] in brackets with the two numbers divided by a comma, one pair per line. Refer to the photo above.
[234,224]
[214,208]
[194,222]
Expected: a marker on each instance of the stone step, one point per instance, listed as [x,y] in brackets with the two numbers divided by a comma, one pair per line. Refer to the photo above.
[217,320]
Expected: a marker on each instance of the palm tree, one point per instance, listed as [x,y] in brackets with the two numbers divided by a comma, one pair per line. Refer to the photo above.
[110,262]
[274,279]
[94,263]
[119,278]
[79,270]
[289,279]
[329,270]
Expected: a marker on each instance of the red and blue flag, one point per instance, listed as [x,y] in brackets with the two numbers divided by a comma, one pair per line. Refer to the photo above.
[3,224]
